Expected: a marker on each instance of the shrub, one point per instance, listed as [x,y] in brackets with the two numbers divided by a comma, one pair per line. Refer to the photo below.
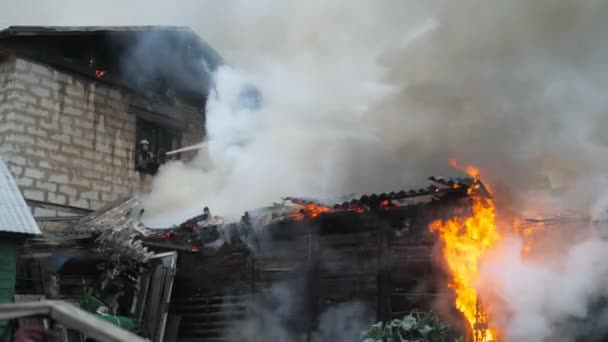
[415,327]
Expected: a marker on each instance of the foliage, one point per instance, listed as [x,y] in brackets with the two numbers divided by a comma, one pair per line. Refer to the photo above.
[416,327]
[124,255]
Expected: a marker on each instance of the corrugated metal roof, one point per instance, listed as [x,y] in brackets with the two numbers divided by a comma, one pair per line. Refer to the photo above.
[15,215]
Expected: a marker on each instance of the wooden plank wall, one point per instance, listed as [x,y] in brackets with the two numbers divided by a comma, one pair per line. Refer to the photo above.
[384,262]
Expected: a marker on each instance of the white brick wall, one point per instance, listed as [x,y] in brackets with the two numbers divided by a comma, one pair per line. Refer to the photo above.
[69,140]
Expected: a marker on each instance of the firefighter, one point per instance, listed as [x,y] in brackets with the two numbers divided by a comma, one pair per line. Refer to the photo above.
[144,156]
[147,162]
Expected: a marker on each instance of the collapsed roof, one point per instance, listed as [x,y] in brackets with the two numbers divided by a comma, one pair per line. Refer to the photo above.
[207,230]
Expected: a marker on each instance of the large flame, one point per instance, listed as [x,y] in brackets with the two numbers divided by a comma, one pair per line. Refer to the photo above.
[465,239]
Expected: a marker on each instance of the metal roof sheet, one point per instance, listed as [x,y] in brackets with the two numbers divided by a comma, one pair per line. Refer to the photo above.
[15,215]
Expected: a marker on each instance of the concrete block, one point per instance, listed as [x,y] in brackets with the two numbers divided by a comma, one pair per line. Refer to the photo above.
[92,174]
[34,173]
[79,203]
[40,91]
[118,162]
[24,119]
[76,90]
[51,84]
[62,213]
[81,182]
[24,181]
[34,195]
[101,186]
[16,170]
[88,154]
[120,190]
[38,111]
[16,160]
[120,153]
[57,198]
[22,65]
[47,186]
[58,157]
[37,132]
[49,145]
[14,127]
[68,190]
[59,178]
[61,77]
[70,150]
[45,165]
[20,138]
[83,163]
[50,104]
[86,124]
[50,125]
[36,152]
[115,95]
[67,120]
[26,77]
[83,142]
[91,195]
[73,110]
[108,197]
[61,138]
[43,212]
[118,106]
[103,148]
[42,70]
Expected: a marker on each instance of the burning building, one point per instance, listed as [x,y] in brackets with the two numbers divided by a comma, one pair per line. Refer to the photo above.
[74,102]
[375,251]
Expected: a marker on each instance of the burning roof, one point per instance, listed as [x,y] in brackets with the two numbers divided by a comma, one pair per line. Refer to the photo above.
[207,230]
[147,59]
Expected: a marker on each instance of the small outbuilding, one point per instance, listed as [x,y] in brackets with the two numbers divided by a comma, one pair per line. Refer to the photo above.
[16,224]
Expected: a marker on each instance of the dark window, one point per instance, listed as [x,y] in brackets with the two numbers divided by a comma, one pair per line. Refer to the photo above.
[160,137]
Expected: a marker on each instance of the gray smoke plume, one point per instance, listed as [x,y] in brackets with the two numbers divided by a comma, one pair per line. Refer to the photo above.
[380,98]
[559,298]
[371,96]
[279,314]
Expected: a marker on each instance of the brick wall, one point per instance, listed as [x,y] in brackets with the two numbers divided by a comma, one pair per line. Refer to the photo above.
[6,72]
[70,140]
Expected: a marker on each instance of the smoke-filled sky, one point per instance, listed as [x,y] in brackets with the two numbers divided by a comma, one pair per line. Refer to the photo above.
[367,96]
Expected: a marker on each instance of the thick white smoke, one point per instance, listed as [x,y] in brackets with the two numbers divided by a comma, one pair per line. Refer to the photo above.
[541,299]
[375,96]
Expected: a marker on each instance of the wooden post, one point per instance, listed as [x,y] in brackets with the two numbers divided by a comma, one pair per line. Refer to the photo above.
[313,282]
[384,274]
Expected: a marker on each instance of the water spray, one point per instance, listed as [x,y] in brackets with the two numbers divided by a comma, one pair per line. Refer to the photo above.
[187,148]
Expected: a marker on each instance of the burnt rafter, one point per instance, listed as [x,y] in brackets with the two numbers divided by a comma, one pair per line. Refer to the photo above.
[297,216]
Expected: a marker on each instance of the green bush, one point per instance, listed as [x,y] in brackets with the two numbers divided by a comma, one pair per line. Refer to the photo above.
[416,327]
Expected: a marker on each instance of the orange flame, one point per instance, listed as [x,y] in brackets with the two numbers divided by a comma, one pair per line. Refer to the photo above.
[529,232]
[465,239]
[100,73]
[311,210]
[469,170]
